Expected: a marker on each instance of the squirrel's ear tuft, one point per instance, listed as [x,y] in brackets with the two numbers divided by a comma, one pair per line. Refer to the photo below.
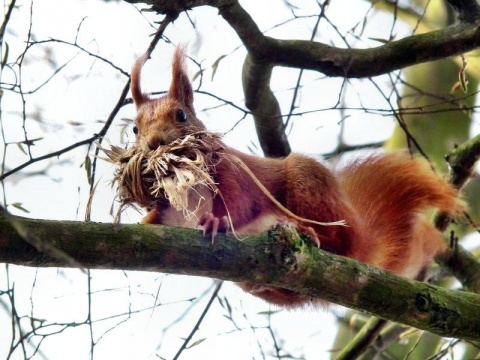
[181,89]
[138,96]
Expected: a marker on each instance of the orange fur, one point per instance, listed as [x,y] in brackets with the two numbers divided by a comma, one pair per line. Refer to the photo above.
[384,198]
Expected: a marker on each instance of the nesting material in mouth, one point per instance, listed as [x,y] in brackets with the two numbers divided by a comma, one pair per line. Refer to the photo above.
[167,173]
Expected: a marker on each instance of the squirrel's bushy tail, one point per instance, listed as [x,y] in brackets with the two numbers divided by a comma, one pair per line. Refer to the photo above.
[393,196]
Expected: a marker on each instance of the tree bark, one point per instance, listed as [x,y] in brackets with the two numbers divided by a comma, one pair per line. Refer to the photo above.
[280,258]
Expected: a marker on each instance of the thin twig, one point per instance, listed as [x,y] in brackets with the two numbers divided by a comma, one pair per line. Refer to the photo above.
[363,339]
[200,319]
[121,101]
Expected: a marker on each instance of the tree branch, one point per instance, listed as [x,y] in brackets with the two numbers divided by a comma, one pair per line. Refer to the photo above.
[277,258]
[263,104]
[362,340]
[462,161]
[464,266]
[332,61]
[467,10]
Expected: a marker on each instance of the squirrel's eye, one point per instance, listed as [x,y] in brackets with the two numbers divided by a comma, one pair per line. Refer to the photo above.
[135,130]
[181,116]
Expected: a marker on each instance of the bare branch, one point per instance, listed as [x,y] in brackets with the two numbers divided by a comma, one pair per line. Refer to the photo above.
[332,61]
[260,99]
[202,316]
[364,338]
[31,161]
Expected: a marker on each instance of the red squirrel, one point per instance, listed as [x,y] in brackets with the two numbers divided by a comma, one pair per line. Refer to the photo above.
[383,198]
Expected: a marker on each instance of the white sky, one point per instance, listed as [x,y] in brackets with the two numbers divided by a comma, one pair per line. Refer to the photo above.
[85,92]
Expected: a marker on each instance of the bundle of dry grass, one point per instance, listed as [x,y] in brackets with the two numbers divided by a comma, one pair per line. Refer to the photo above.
[167,173]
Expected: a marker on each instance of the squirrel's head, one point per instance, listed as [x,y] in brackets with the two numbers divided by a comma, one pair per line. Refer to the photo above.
[172,116]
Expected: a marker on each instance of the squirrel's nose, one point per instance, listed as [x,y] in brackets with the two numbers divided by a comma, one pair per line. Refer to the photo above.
[154,141]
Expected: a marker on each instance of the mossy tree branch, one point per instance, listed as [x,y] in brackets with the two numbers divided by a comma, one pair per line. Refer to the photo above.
[460,262]
[280,258]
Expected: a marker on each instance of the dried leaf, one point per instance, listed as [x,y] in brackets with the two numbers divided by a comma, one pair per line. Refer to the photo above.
[88,169]
[198,342]
[215,65]
[5,56]
[382,41]
[269,313]
[462,76]
[19,206]
[456,87]
[197,74]
[21,148]
[411,332]
[88,210]
[74,123]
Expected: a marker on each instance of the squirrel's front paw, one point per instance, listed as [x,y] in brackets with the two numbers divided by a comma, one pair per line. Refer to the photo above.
[213,225]
[308,230]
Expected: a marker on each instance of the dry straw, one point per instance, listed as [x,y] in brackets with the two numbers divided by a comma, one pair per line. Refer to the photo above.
[167,173]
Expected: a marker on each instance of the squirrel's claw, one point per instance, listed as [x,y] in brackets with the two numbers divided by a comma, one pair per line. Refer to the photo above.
[213,225]
[308,230]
